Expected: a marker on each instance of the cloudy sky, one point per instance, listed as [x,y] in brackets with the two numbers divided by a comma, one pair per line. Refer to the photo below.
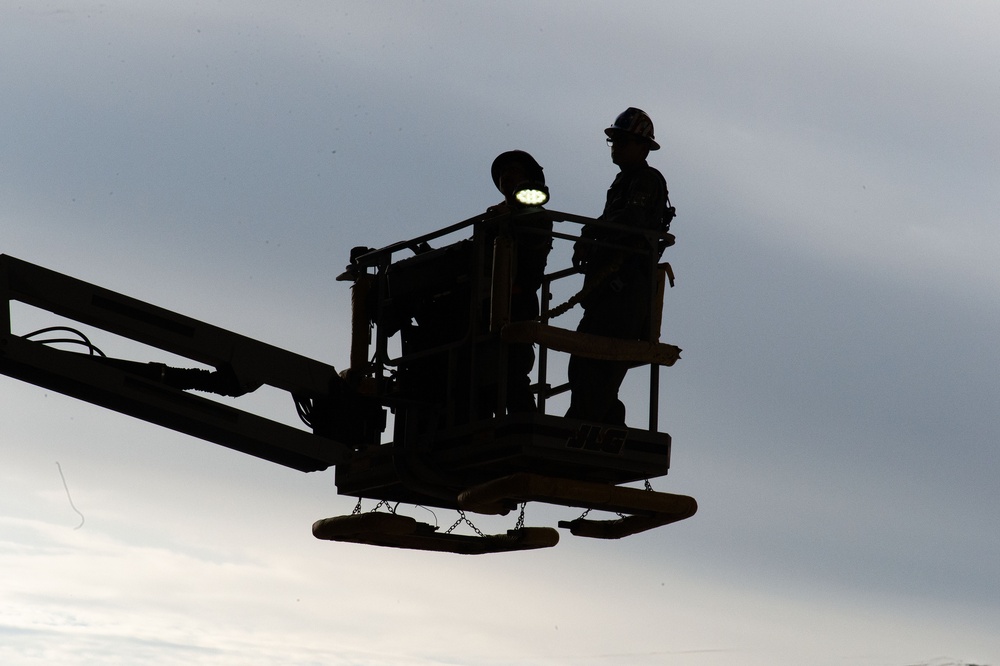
[835,170]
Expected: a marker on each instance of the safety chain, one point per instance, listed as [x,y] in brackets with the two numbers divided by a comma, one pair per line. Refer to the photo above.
[622,516]
[520,518]
[385,503]
[463,519]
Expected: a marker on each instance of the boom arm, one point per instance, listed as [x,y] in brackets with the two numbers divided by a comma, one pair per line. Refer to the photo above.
[115,386]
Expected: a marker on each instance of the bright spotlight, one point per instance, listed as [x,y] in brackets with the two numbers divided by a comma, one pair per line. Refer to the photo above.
[532,194]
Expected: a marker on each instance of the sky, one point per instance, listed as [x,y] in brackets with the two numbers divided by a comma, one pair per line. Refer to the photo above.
[835,172]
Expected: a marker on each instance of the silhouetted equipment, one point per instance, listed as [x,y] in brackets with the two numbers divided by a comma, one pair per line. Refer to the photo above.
[430,332]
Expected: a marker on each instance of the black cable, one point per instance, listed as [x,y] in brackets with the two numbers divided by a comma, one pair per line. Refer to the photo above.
[84,340]
[304,408]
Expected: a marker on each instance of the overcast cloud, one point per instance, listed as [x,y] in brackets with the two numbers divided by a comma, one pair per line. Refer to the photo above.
[835,411]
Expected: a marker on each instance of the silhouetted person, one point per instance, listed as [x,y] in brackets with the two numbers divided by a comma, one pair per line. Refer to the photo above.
[618,284]
[452,320]
[532,240]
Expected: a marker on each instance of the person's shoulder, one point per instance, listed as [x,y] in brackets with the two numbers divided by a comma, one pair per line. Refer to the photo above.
[649,179]
[501,208]
[651,172]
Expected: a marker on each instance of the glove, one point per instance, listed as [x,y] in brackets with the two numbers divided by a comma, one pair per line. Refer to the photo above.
[580,255]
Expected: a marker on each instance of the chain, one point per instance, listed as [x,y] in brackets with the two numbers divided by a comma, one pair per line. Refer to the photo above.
[463,519]
[385,503]
[649,486]
[520,518]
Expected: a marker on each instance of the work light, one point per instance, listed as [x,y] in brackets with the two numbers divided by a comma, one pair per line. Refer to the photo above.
[532,194]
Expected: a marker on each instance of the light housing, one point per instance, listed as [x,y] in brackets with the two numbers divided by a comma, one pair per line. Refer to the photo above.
[532,194]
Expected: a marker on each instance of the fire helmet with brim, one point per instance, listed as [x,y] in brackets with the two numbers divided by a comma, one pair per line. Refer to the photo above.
[635,122]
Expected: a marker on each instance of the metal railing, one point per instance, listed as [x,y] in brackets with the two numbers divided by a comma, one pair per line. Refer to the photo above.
[487,283]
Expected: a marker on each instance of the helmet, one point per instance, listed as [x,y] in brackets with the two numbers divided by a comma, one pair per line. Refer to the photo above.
[531,168]
[634,121]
